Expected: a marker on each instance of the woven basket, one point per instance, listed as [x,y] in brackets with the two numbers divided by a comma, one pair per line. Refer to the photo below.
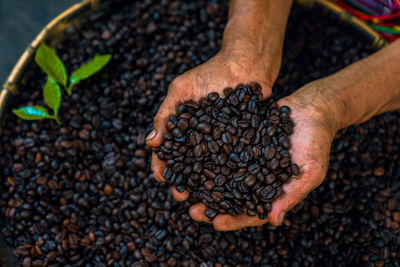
[70,20]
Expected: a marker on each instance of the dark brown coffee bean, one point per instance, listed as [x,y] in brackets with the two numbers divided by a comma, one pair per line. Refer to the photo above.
[270,178]
[283,177]
[210,213]
[197,151]
[284,163]
[193,121]
[197,167]
[274,119]
[216,133]
[213,147]
[217,196]
[268,193]
[182,124]
[284,141]
[233,100]
[295,169]
[225,204]
[285,109]
[254,168]
[222,158]
[209,174]
[167,173]
[212,96]
[271,130]
[204,127]
[274,164]
[220,179]
[227,137]
[243,124]
[170,125]
[250,180]
[209,184]
[223,118]
[269,152]
[195,138]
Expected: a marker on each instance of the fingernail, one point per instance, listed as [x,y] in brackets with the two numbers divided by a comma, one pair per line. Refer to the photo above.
[151,135]
[281,217]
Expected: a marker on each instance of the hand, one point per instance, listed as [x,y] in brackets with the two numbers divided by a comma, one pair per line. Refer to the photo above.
[310,148]
[213,76]
[311,141]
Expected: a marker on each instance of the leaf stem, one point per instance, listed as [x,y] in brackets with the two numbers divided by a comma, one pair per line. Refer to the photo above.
[69,89]
[55,117]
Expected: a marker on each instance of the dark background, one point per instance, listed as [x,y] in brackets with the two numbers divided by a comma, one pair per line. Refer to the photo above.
[20,22]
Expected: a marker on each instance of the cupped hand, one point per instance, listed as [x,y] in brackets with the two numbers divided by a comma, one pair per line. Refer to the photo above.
[215,75]
[310,149]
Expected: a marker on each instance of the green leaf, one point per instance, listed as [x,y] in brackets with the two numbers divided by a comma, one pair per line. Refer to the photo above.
[51,64]
[52,95]
[32,113]
[90,68]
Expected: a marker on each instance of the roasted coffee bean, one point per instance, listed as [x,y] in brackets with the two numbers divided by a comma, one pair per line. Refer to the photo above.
[197,151]
[193,121]
[274,164]
[177,132]
[209,174]
[209,184]
[271,130]
[295,169]
[195,138]
[182,124]
[270,178]
[204,127]
[216,133]
[217,196]
[233,100]
[223,118]
[284,163]
[222,158]
[225,204]
[197,167]
[254,168]
[283,177]
[220,179]
[284,141]
[243,124]
[167,173]
[269,153]
[210,213]
[250,180]
[227,137]
[213,146]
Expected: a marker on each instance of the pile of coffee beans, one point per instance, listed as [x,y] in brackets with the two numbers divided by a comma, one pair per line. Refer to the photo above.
[230,153]
[82,194]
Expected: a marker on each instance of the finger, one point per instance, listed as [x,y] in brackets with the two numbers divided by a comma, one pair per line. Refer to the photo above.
[157,166]
[156,136]
[197,211]
[293,193]
[227,222]
[177,195]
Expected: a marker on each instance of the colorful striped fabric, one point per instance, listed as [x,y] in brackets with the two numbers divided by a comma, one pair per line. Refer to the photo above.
[381,15]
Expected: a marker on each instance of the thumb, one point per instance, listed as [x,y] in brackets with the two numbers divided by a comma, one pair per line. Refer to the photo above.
[294,192]
[156,136]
